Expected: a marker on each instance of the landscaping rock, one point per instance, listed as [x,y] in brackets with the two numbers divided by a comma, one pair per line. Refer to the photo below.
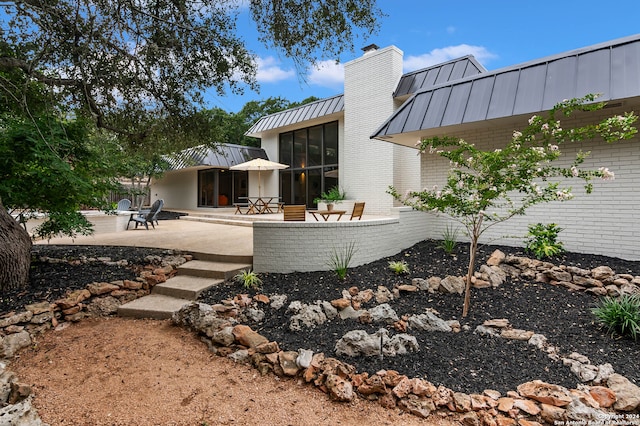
[451,284]
[13,343]
[428,322]
[546,393]
[383,314]
[627,394]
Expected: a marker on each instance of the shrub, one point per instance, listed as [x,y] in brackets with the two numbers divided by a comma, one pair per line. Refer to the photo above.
[543,240]
[399,267]
[333,194]
[248,279]
[340,261]
[621,316]
[449,239]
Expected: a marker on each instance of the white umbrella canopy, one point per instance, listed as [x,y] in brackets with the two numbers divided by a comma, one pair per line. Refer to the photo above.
[259,164]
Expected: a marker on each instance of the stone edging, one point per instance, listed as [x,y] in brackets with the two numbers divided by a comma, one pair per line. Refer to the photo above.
[614,397]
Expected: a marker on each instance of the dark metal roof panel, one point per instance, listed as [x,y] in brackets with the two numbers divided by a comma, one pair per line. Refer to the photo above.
[478,100]
[530,90]
[415,115]
[561,81]
[299,114]
[221,156]
[438,104]
[503,95]
[456,106]
[625,70]
[612,69]
[451,70]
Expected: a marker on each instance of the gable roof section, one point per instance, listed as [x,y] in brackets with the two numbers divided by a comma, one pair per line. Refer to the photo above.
[611,69]
[435,75]
[221,156]
[306,112]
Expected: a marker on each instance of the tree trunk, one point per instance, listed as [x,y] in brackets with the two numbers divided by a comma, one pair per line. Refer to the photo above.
[473,248]
[15,252]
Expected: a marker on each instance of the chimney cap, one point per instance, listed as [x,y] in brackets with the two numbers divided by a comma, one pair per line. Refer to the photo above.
[370,48]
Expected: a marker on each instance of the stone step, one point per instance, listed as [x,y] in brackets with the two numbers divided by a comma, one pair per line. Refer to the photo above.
[154,306]
[186,286]
[212,269]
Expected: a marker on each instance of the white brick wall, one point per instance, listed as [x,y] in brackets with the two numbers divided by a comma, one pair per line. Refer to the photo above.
[285,247]
[606,222]
[367,166]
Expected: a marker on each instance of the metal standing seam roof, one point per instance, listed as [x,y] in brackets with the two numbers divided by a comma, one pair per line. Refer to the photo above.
[455,69]
[222,156]
[409,83]
[611,69]
[310,111]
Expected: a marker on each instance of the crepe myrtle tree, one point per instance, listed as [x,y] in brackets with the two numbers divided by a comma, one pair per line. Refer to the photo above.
[488,187]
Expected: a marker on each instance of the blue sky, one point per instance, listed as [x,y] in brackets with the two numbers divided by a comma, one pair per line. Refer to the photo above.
[498,33]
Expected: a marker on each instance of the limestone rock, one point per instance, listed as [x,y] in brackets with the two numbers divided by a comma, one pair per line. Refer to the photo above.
[546,393]
[24,316]
[340,304]
[329,311]
[383,313]
[97,289]
[496,258]
[303,360]
[516,334]
[602,273]
[349,313]
[38,308]
[20,414]
[627,394]
[383,295]
[103,306]
[428,322]
[339,388]
[223,337]
[451,284]
[247,337]
[527,406]
[417,407]
[11,344]
[604,396]
[278,301]
[358,342]
[288,362]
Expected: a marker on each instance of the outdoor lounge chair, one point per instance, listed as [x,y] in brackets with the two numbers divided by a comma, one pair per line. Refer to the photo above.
[123,205]
[146,217]
[358,209]
[294,213]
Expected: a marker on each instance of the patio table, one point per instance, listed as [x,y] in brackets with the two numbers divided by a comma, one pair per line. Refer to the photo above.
[327,213]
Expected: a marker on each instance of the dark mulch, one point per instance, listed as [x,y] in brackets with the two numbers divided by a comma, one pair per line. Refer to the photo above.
[464,361]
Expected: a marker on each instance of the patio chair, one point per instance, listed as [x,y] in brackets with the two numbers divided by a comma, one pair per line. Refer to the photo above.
[295,213]
[146,217]
[123,205]
[358,209]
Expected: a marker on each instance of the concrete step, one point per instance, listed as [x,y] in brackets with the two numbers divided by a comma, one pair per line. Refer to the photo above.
[209,269]
[154,306]
[186,286]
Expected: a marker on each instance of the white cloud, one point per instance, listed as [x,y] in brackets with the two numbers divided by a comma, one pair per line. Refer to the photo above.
[327,74]
[437,56]
[270,71]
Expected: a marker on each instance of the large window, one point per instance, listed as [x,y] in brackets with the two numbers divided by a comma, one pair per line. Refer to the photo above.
[312,155]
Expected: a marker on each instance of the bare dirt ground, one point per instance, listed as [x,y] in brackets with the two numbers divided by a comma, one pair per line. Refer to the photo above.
[118,371]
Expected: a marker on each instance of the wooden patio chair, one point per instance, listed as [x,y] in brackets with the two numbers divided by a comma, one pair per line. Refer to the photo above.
[358,209]
[295,213]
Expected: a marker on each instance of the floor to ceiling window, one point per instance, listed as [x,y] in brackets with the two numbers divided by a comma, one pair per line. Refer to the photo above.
[312,155]
[220,187]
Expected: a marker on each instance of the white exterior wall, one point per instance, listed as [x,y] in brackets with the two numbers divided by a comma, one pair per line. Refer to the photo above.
[284,247]
[179,189]
[605,222]
[367,166]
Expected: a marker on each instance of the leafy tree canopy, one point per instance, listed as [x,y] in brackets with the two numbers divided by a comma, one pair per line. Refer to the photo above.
[139,68]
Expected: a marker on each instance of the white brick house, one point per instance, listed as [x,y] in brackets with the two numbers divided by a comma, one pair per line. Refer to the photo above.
[383,113]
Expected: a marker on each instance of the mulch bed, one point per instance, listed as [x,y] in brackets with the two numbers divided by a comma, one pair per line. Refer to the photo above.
[464,361]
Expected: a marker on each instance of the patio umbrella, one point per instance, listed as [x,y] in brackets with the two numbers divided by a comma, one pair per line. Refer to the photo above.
[259,164]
